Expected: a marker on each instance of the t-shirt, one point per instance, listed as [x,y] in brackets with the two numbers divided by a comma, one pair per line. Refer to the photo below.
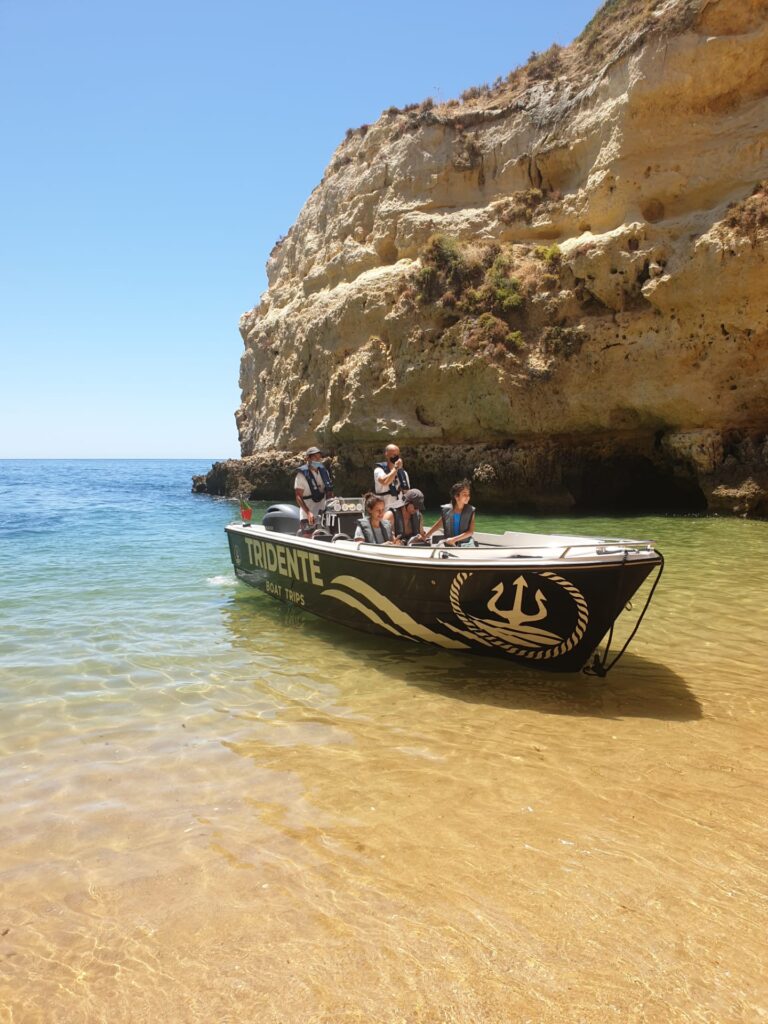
[301,485]
[382,489]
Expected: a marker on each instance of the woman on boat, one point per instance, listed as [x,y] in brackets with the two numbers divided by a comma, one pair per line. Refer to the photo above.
[373,528]
[406,520]
[457,519]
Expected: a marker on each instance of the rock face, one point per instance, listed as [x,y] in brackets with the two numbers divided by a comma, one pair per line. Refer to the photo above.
[557,288]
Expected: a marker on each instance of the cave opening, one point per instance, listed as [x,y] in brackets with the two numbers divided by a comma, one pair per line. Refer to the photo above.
[628,484]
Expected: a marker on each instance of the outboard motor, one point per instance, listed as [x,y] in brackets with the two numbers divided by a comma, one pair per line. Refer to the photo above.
[282,519]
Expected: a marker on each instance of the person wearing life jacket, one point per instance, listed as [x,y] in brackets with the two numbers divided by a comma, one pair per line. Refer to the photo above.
[313,486]
[407,520]
[373,528]
[390,480]
[457,520]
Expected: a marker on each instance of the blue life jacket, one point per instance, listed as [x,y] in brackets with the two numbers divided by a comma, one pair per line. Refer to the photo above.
[467,514]
[318,495]
[368,534]
[400,483]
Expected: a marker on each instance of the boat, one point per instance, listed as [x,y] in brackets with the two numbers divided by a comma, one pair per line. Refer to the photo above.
[543,600]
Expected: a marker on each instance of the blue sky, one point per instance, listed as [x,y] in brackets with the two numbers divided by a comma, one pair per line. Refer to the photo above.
[152,154]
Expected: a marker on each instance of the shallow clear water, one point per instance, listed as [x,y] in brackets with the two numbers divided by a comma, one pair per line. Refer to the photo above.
[216,808]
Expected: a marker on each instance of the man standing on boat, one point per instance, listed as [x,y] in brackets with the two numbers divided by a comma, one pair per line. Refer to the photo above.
[313,486]
[390,480]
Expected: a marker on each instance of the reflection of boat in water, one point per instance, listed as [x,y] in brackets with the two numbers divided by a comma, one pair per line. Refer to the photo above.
[545,600]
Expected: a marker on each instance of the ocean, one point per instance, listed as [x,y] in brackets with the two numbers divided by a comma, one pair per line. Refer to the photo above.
[218,808]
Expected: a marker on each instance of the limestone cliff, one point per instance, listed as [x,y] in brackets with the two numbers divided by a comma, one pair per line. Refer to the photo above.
[557,286]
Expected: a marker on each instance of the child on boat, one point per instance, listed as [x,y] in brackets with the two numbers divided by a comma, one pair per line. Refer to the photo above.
[457,520]
[373,528]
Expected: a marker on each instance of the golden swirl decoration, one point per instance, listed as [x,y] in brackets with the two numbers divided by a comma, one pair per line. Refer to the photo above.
[477,631]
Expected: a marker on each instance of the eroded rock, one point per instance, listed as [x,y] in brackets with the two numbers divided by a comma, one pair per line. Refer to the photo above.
[641,348]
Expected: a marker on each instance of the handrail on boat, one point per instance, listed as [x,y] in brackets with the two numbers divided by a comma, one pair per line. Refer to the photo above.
[599,544]
[604,543]
[601,547]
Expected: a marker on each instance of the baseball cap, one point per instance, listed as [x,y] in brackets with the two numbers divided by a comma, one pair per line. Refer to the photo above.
[313,451]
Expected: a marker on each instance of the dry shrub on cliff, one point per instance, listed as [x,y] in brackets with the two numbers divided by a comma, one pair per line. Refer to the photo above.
[535,274]
[619,25]
[615,23]
[475,92]
[490,334]
[536,279]
[499,293]
[343,160]
[469,278]
[520,206]
[485,330]
[474,285]
[447,266]
[616,28]
[749,217]
[482,253]
[546,65]
[515,342]
[550,254]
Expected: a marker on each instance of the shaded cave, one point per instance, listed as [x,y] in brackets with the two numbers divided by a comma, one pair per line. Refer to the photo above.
[630,484]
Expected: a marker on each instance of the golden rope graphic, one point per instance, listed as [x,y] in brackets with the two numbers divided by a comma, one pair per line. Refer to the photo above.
[516,635]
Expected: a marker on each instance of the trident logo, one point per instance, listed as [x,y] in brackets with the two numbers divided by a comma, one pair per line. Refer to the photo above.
[515,615]
[517,629]
[516,621]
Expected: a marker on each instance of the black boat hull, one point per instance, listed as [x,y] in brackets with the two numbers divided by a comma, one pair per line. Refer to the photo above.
[546,615]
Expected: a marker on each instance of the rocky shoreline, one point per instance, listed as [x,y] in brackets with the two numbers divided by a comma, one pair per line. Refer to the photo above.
[701,471]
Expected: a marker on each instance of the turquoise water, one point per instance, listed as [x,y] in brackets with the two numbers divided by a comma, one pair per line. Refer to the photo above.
[196,777]
[107,565]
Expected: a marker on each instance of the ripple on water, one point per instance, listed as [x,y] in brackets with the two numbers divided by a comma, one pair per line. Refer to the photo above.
[217,808]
